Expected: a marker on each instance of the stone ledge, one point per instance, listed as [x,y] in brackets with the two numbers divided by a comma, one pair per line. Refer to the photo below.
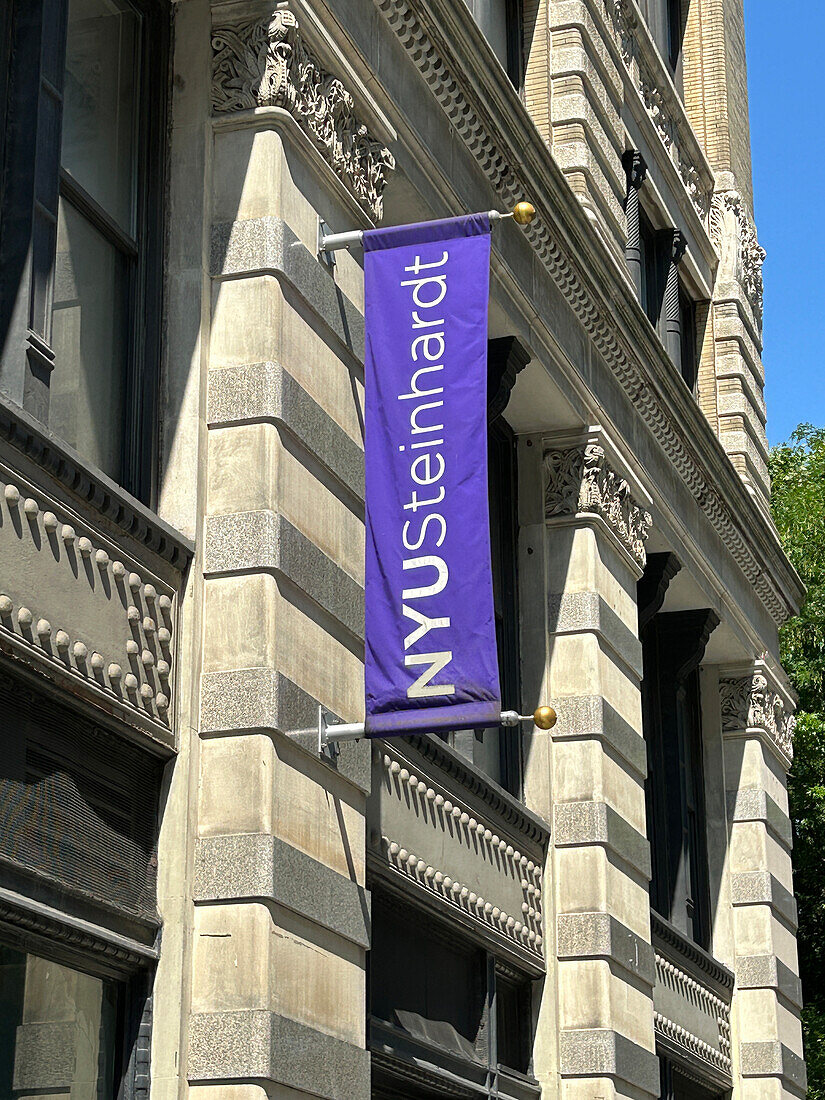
[92,486]
[600,935]
[243,700]
[762,888]
[591,716]
[265,541]
[266,391]
[581,612]
[263,1046]
[256,865]
[587,823]
[768,972]
[773,1059]
[268,246]
[755,804]
[598,1052]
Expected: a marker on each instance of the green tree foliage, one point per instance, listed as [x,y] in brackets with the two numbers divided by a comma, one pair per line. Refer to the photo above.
[798,488]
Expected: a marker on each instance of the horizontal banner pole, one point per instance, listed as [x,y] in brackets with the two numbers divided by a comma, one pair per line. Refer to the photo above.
[523,213]
[333,733]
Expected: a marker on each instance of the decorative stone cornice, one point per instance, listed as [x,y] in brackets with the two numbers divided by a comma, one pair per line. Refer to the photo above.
[27,917]
[750,255]
[580,480]
[514,168]
[661,105]
[750,703]
[74,608]
[266,63]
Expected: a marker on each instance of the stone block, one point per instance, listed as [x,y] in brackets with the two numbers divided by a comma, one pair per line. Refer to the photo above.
[244,866]
[599,1052]
[244,542]
[232,1046]
[600,935]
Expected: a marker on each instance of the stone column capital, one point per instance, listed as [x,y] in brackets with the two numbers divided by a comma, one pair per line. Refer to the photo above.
[752,700]
[580,479]
[678,246]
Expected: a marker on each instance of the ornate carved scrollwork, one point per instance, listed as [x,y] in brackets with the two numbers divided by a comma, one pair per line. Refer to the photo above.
[579,479]
[267,64]
[748,702]
[622,23]
[750,255]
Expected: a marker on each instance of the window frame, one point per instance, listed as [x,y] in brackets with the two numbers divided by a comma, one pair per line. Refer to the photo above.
[134,1002]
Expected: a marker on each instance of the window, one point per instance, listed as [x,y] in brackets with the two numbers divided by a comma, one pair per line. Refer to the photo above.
[497,751]
[86,208]
[501,23]
[676,1085]
[443,1004]
[78,832]
[687,328]
[665,18]
[673,645]
[654,270]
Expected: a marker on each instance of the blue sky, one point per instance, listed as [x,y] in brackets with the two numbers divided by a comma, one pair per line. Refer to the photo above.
[785,78]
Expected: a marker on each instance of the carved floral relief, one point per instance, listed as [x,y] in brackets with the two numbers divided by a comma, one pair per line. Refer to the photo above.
[748,702]
[745,263]
[267,64]
[579,479]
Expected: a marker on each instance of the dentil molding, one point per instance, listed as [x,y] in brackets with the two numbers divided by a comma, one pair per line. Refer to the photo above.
[266,63]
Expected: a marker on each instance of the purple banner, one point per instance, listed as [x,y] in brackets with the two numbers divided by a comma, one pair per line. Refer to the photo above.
[431,660]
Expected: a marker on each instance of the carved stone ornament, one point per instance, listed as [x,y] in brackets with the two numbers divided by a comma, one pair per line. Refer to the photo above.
[750,255]
[579,479]
[748,702]
[622,23]
[266,64]
[70,607]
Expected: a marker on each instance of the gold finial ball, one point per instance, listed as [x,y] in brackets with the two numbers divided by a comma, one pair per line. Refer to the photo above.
[524,212]
[544,717]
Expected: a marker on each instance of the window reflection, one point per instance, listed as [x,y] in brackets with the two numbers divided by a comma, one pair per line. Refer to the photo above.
[86,403]
[99,112]
[58,1029]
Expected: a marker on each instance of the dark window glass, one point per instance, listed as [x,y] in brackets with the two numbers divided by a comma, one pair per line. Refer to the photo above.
[78,810]
[430,987]
[59,1029]
[501,23]
[673,645]
[513,1021]
[665,18]
[497,751]
[426,983]
[80,277]
[654,269]
[676,1086]
[690,354]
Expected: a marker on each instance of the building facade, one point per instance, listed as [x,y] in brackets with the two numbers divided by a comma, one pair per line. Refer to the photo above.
[196,902]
